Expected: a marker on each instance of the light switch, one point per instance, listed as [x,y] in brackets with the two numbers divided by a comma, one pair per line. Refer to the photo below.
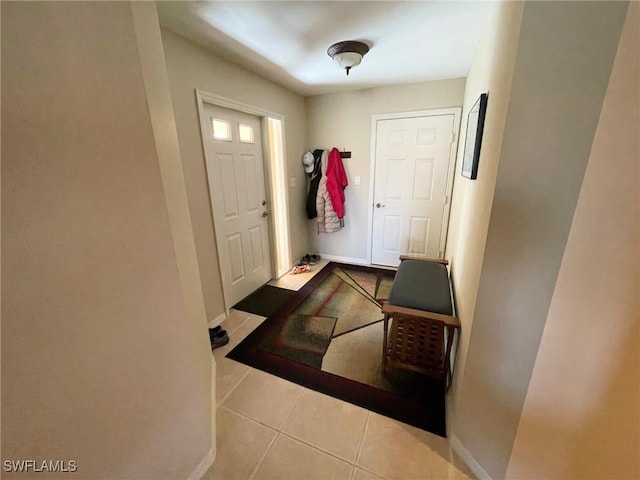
[292,182]
[356,180]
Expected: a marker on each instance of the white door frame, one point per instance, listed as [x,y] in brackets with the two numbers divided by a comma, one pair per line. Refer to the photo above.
[456,112]
[277,250]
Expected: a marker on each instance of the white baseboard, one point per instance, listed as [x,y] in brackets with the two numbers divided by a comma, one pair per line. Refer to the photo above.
[210,457]
[353,261]
[218,320]
[471,462]
[204,466]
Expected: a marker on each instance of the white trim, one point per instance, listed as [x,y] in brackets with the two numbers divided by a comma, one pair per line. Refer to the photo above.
[285,167]
[225,102]
[353,261]
[419,113]
[203,97]
[203,467]
[456,112]
[453,157]
[372,185]
[218,320]
[471,462]
[284,194]
[210,457]
[268,182]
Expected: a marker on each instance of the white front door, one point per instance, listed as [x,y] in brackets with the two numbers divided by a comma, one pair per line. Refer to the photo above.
[235,171]
[413,157]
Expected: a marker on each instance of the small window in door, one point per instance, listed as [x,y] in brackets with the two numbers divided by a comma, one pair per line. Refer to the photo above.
[245,133]
[221,129]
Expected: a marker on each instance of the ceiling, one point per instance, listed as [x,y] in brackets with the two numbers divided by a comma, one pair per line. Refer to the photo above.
[287,41]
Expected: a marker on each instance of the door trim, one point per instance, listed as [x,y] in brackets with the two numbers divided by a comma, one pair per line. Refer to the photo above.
[456,112]
[277,250]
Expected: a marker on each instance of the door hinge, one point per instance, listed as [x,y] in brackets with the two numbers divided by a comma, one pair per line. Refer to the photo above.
[446,199]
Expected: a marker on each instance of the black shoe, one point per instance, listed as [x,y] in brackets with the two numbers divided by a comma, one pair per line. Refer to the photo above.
[305,260]
[218,338]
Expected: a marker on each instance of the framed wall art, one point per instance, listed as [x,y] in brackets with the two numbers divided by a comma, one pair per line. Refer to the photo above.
[473,139]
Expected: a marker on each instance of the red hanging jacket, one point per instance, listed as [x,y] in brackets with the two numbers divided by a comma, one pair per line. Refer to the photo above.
[336,181]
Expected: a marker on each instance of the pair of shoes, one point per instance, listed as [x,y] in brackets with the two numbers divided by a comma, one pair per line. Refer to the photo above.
[309,259]
[218,337]
[306,260]
[300,269]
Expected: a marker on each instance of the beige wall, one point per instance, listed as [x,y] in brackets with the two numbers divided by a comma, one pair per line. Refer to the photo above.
[581,417]
[563,63]
[490,73]
[102,362]
[191,67]
[343,120]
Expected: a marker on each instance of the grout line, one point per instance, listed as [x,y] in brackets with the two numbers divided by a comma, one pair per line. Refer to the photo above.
[264,455]
[337,457]
[239,326]
[353,473]
[251,419]
[255,420]
[357,462]
[286,418]
[308,444]
[291,436]
[279,432]
[375,474]
[224,399]
[332,454]
[315,447]
[364,432]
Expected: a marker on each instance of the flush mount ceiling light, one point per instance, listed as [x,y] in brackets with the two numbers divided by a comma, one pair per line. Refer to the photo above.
[348,54]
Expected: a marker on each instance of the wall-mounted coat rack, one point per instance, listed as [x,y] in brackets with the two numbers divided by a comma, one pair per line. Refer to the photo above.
[343,153]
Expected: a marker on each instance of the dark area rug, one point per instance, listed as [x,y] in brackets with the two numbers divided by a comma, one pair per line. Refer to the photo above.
[328,337]
[266,301]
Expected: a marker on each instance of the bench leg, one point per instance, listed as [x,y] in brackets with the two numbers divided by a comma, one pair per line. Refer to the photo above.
[447,362]
[384,343]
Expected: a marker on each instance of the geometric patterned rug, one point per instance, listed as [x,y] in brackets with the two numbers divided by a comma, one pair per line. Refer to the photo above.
[329,338]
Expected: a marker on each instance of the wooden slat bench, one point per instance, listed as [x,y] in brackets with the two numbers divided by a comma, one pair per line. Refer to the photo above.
[423,323]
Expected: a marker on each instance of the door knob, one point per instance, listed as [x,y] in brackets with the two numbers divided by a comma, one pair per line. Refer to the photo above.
[264,214]
[379,205]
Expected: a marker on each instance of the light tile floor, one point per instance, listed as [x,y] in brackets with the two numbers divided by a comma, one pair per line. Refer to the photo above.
[269,428]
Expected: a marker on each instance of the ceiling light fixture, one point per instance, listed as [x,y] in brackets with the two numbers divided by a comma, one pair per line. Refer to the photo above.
[348,54]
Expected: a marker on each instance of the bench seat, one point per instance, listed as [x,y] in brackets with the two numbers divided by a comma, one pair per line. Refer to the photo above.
[422,285]
[420,308]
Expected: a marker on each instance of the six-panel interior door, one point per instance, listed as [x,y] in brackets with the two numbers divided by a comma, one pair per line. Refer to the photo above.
[235,170]
[410,187]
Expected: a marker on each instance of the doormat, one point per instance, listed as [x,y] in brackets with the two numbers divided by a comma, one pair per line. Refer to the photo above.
[265,301]
[328,337]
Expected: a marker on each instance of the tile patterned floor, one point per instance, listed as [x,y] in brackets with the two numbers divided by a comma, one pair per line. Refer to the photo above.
[269,428]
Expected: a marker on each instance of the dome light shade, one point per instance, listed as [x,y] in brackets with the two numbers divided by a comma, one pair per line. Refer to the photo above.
[348,54]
